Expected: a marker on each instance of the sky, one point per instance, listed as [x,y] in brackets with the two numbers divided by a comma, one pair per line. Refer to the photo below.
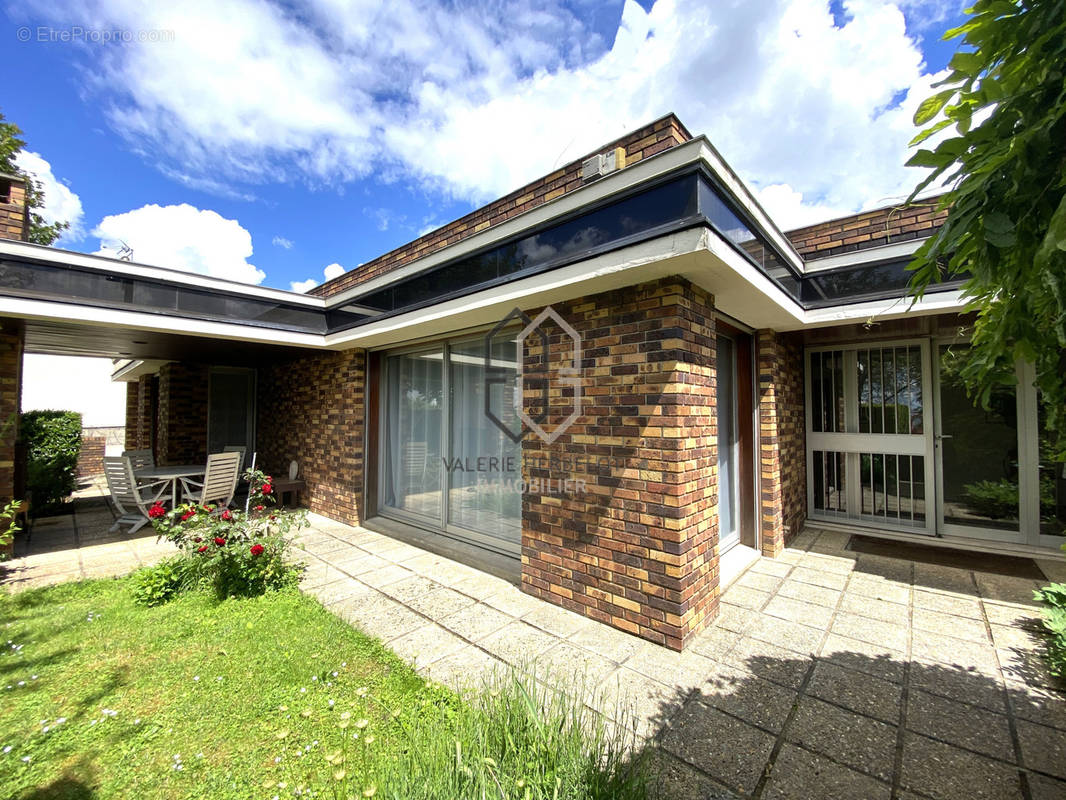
[281,144]
[46,382]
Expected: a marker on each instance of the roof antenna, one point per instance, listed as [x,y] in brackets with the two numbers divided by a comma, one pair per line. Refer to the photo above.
[125,252]
[561,154]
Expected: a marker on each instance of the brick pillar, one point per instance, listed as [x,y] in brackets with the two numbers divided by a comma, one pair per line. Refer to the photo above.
[181,426]
[637,549]
[140,413]
[11,347]
[782,449]
[14,216]
[133,411]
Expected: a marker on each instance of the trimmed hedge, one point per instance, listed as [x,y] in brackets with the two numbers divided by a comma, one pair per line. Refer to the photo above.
[53,442]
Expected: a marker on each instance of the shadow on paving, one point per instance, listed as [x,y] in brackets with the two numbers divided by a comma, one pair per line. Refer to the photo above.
[853,726]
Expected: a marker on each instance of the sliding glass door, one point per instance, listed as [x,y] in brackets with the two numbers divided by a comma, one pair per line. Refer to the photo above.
[446,465]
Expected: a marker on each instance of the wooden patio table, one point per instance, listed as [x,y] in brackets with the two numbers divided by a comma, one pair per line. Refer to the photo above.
[173,474]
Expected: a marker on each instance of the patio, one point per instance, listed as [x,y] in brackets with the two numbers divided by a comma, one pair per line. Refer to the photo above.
[829,673]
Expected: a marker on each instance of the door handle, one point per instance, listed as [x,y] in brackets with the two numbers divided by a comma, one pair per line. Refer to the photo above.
[941,436]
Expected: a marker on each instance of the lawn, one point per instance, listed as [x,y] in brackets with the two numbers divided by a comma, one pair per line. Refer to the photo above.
[261,697]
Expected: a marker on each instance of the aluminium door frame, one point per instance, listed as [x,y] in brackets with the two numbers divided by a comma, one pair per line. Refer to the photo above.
[442,526]
[1027,436]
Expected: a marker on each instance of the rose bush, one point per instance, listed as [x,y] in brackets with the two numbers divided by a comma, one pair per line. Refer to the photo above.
[230,551]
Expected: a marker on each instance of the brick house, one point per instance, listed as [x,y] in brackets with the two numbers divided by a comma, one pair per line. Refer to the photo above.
[611,384]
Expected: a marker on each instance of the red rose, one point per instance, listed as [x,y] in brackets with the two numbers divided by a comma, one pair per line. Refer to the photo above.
[257,549]
[157,511]
[259,508]
[272,517]
[201,549]
[188,515]
[227,515]
[267,488]
[197,539]
[219,541]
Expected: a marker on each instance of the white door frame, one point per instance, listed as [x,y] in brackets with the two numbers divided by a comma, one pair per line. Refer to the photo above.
[853,444]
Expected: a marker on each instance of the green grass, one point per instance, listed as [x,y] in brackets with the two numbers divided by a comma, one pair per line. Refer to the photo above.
[206,699]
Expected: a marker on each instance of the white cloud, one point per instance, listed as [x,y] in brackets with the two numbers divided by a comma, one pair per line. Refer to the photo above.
[334,270]
[282,242]
[182,237]
[477,99]
[303,286]
[60,203]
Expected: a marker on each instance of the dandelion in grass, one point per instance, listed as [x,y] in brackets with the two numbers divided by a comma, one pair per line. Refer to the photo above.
[362,691]
[361,723]
[370,791]
[339,774]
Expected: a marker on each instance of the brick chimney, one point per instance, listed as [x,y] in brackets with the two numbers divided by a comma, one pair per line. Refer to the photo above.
[14,216]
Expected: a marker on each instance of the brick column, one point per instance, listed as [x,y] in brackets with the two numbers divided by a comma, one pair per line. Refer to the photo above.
[140,413]
[182,415]
[637,548]
[14,216]
[11,347]
[782,448]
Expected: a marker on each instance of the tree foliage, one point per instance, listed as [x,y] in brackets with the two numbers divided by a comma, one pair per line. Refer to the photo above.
[1004,108]
[11,143]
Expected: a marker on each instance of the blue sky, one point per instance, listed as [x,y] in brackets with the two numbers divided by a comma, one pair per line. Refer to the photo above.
[264,142]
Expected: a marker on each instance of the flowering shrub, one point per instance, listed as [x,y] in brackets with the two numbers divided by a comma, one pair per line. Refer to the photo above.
[234,552]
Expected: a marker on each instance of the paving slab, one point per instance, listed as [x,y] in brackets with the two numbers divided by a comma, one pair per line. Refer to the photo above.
[794,690]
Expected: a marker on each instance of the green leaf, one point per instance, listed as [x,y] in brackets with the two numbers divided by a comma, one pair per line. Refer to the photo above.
[932,129]
[1055,238]
[927,158]
[998,222]
[931,106]
[968,63]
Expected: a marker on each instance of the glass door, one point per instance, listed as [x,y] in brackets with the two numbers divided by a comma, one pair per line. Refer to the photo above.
[444,464]
[869,445]
[230,409]
[484,494]
[728,446]
[411,444]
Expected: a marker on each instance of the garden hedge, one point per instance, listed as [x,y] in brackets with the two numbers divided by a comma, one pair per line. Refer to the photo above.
[53,442]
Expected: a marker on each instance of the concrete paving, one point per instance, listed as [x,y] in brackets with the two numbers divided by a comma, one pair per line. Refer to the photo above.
[77,545]
[828,673]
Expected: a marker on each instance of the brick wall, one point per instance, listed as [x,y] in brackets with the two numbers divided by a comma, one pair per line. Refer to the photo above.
[11,346]
[637,549]
[640,144]
[313,411]
[882,226]
[181,426]
[14,223]
[91,456]
[140,413]
[782,446]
